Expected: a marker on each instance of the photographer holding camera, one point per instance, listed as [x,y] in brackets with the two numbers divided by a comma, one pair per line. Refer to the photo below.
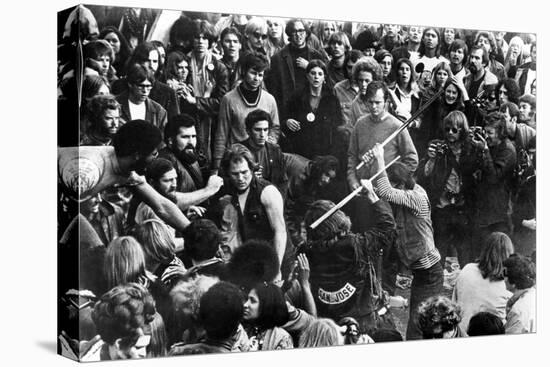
[493,192]
[447,173]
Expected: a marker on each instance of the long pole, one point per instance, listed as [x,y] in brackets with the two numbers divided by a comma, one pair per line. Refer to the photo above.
[345,200]
[406,123]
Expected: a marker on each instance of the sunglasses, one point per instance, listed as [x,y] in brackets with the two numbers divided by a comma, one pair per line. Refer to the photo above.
[258,35]
[298,31]
[453,130]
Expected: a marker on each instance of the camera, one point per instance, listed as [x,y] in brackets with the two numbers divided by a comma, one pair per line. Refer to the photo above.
[441,148]
[478,130]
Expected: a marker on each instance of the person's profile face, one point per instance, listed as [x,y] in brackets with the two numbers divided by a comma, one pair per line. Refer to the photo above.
[167,184]
[252,306]
[492,136]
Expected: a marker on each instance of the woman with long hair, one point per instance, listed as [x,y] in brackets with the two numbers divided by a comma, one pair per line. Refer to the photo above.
[480,286]
[314,115]
[120,47]
[125,263]
[265,311]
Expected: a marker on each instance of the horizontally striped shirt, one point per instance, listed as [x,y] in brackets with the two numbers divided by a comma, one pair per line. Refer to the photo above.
[418,202]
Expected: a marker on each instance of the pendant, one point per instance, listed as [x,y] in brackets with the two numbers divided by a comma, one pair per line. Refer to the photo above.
[310,117]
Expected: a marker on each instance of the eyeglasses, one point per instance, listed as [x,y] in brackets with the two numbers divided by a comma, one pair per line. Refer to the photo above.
[298,31]
[258,35]
[453,130]
[144,86]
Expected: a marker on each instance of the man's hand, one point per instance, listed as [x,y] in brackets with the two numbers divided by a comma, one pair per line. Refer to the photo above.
[367,185]
[478,141]
[301,62]
[432,150]
[195,212]
[214,184]
[303,270]
[293,125]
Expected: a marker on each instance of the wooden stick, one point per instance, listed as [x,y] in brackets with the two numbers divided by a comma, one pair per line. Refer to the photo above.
[406,123]
[345,200]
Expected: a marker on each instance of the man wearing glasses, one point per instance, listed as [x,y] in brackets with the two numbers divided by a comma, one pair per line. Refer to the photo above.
[135,102]
[255,33]
[288,67]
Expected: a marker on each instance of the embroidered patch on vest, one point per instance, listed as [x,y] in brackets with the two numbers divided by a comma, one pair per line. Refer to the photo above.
[336,297]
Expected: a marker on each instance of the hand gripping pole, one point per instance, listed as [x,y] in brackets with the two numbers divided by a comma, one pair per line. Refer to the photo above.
[345,200]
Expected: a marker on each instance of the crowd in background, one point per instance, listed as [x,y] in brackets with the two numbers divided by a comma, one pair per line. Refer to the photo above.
[196,158]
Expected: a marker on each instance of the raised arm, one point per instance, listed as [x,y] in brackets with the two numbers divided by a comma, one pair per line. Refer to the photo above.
[164,208]
[187,199]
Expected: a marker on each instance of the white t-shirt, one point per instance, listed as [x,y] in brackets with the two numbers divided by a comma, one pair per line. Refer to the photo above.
[137,111]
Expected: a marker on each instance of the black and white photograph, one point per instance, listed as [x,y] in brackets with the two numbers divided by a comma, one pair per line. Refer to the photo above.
[239,179]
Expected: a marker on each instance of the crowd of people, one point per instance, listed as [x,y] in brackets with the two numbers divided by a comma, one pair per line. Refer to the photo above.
[198,165]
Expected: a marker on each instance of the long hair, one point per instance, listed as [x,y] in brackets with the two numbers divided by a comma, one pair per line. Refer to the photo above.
[457,119]
[273,310]
[321,332]
[496,249]
[156,241]
[422,48]
[172,60]
[124,262]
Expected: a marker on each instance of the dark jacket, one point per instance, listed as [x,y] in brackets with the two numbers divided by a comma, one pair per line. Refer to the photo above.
[154,112]
[274,165]
[318,137]
[190,176]
[494,189]
[280,79]
[341,269]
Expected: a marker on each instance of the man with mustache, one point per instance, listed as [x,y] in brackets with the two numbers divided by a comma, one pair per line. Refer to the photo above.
[478,80]
[86,171]
[182,151]
[250,207]
[239,102]
[104,121]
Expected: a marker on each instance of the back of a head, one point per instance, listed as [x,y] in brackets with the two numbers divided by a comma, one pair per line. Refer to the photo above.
[137,137]
[497,247]
[221,310]
[156,240]
[399,173]
[321,332]
[122,311]
[520,271]
[124,261]
[254,262]
[202,239]
[337,223]
[485,323]
[438,311]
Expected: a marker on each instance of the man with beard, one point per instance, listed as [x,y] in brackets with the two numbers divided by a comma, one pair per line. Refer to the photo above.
[239,102]
[104,120]
[251,207]
[308,181]
[86,171]
[271,165]
[181,150]
[477,81]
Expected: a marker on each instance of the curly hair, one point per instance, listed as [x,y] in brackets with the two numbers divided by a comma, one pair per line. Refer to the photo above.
[438,311]
[202,239]
[98,105]
[186,295]
[122,311]
[367,64]
[520,271]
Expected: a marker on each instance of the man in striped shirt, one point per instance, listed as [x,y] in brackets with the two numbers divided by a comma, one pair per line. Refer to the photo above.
[415,242]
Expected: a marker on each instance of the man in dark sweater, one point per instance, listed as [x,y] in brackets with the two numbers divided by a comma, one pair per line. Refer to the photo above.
[288,66]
